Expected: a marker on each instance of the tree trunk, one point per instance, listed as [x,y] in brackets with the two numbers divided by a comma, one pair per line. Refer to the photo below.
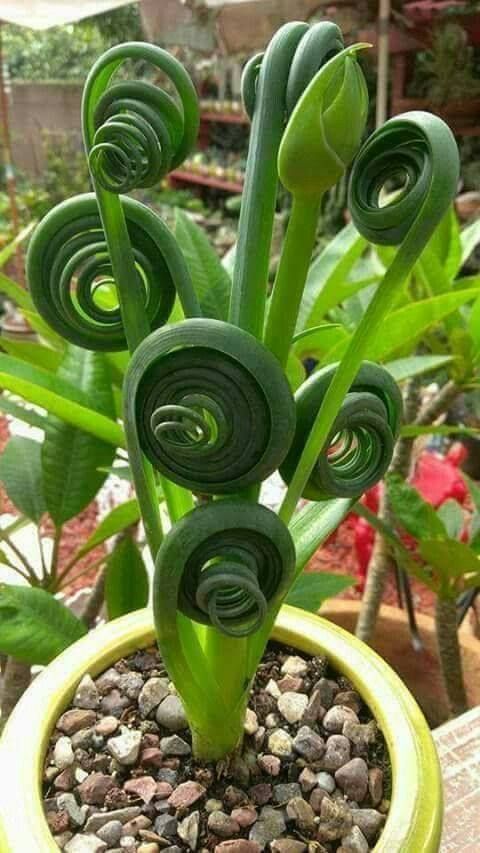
[449,654]
[95,600]
[16,679]
[381,560]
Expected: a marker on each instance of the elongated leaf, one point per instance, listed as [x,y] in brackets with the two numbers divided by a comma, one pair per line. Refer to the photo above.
[469,238]
[451,515]
[71,458]
[8,250]
[327,282]
[312,589]
[118,519]
[314,523]
[451,558]
[295,371]
[413,431]
[34,626]
[474,490]
[315,342]
[29,416]
[474,327]
[123,472]
[210,279]
[413,513]
[126,579]
[21,476]
[32,353]
[416,365]
[15,293]
[57,397]
[405,326]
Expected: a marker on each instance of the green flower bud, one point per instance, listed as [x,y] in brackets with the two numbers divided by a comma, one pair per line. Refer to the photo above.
[326,127]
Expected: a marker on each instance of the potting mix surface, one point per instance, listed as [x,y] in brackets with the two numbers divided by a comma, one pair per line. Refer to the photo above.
[313,774]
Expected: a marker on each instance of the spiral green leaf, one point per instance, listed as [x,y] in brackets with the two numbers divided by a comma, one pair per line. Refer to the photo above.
[223,565]
[134,131]
[418,151]
[69,272]
[209,406]
[360,445]
[272,83]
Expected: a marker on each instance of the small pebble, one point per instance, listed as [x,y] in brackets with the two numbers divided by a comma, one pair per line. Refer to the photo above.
[326,781]
[288,845]
[111,832]
[261,794]
[294,665]
[335,820]
[316,799]
[95,788]
[287,791]
[268,827]
[114,703]
[76,813]
[245,816]
[144,787]
[85,844]
[251,722]
[307,780]
[352,778]
[290,683]
[171,714]
[107,681]
[280,743]
[186,795]
[213,806]
[154,691]
[325,691]
[337,752]
[151,847]
[223,825]
[272,720]
[125,747]
[188,830]
[86,694]
[375,785]
[99,819]
[349,699]
[130,684]
[292,706]
[166,825]
[336,717]
[272,689]
[63,753]
[308,744]
[174,745]
[369,821]
[361,735]
[355,841]
[107,726]
[74,720]
[302,815]
[239,845]
[269,764]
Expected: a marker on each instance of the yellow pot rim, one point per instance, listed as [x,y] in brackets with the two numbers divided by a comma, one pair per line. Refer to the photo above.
[414,821]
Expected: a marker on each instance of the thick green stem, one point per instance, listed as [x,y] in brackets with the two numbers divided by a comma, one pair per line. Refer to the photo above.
[449,654]
[215,740]
[291,276]
[227,658]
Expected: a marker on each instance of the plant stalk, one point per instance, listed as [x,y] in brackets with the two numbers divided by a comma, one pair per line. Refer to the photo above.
[16,679]
[449,655]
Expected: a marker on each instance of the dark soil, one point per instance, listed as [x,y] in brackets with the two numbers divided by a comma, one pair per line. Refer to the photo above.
[313,774]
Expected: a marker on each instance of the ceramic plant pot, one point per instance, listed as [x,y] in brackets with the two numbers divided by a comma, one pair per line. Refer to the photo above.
[414,821]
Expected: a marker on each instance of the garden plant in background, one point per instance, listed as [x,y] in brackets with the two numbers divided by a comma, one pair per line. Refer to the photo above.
[208,409]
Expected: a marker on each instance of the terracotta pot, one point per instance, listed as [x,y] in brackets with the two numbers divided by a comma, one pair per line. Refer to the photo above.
[419,670]
[414,821]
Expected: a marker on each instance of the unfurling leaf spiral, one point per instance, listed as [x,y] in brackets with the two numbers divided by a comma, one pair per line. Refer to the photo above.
[208,405]
[71,279]
[413,159]
[361,442]
[224,564]
[134,131]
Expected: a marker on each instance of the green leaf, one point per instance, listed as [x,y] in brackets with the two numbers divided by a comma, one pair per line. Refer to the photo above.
[34,626]
[32,353]
[118,519]
[413,431]
[57,397]
[16,410]
[413,513]
[15,293]
[210,279]
[451,515]
[474,327]
[313,524]
[71,458]
[469,238]
[8,250]
[126,579]
[450,557]
[312,589]
[403,327]
[295,371]
[123,472]
[327,283]
[315,342]
[474,490]
[416,365]
[21,476]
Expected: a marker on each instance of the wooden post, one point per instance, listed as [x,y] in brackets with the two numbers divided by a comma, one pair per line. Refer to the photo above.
[384,7]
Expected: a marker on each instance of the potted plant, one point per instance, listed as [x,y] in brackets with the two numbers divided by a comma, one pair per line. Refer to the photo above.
[209,412]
